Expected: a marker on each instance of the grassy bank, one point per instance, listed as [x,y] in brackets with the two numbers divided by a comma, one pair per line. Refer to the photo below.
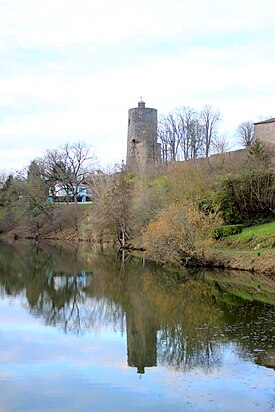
[233,286]
[253,249]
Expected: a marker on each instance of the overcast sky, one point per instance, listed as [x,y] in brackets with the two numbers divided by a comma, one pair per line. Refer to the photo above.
[71,69]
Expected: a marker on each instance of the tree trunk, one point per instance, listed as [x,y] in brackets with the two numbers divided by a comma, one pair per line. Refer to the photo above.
[123,237]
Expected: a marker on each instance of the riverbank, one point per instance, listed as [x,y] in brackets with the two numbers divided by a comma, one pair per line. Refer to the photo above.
[226,284]
[252,250]
[250,260]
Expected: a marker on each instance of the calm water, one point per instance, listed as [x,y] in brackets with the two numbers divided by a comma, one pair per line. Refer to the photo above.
[82,332]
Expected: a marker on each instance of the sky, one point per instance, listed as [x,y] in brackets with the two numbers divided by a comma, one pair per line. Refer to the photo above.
[71,69]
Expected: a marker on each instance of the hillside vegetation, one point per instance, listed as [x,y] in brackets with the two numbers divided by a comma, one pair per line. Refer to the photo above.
[258,237]
[253,249]
[169,212]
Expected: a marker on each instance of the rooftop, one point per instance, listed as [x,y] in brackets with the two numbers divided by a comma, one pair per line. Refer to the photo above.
[272,120]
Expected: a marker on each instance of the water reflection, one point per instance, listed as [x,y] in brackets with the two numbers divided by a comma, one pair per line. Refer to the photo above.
[183,321]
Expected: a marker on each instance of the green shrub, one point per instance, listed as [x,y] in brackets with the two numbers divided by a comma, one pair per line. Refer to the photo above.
[245,196]
[223,231]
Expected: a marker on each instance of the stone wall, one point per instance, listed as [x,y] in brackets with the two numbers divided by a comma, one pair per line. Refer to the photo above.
[142,145]
[265,131]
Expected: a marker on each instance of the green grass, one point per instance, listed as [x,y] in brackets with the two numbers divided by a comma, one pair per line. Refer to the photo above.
[261,231]
[252,250]
[255,237]
[85,206]
[230,250]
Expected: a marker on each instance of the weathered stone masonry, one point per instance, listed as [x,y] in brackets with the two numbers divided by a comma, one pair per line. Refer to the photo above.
[142,146]
[265,131]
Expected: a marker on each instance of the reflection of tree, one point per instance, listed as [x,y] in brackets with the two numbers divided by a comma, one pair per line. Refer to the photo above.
[251,326]
[181,350]
[190,321]
[61,307]
[25,268]
[170,318]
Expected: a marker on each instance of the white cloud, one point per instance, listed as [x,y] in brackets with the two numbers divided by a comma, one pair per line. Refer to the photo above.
[62,22]
[107,54]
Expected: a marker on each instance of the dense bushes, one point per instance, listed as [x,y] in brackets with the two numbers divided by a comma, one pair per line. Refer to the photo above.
[180,235]
[223,231]
[245,196]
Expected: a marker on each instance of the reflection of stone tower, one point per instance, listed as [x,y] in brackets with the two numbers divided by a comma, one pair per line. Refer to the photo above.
[141,341]
[142,146]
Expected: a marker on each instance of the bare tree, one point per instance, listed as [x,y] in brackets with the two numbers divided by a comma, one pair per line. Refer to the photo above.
[163,137]
[112,204]
[187,133]
[169,134]
[245,133]
[209,120]
[69,166]
[180,134]
[190,132]
[221,144]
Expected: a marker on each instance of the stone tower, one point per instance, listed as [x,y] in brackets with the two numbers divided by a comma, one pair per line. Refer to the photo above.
[142,146]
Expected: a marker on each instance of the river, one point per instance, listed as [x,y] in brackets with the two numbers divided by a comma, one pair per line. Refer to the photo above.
[82,331]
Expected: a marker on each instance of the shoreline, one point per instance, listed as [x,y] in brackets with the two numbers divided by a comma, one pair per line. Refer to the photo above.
[253,261]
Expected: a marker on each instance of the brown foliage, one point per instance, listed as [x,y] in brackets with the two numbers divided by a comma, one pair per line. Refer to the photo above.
[189,181]
[180,235]
[111,212]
